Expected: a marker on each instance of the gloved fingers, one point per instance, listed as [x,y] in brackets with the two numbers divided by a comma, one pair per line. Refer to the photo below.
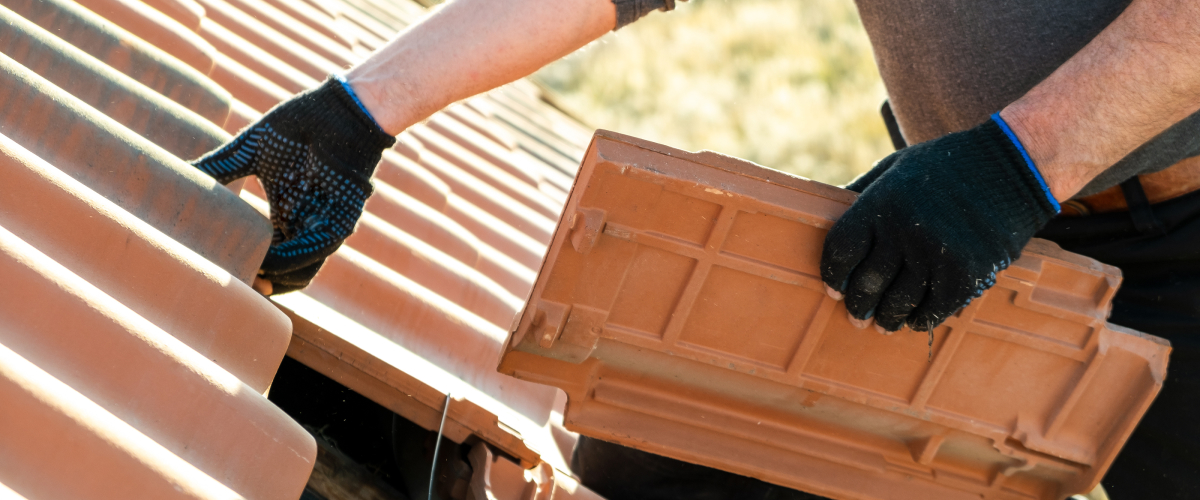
[862,182]
[234,160]
[869,280]
[901,298]
[846,245]
[292,280]
[943,300]
[302,250]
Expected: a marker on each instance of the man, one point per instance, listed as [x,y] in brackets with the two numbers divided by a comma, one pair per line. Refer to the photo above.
[1024,117]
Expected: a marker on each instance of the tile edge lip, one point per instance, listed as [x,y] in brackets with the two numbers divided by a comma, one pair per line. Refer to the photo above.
[736,166]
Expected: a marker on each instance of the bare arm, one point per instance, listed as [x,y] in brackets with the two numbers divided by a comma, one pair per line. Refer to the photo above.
[468,47]
[1137,78]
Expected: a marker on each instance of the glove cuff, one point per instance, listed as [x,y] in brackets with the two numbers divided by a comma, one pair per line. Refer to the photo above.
[1012,183]
[341,125]
[1012,137]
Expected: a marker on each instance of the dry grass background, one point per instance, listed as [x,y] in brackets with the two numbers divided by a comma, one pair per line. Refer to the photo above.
[785,83]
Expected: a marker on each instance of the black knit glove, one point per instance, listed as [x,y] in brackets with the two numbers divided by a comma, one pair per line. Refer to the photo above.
[862,182]
[934,225]
[314,155]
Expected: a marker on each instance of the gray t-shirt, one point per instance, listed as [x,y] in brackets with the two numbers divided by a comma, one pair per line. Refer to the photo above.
[949,64]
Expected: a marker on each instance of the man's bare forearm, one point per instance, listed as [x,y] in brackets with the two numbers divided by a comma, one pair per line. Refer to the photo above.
[468,47]
[1137,78]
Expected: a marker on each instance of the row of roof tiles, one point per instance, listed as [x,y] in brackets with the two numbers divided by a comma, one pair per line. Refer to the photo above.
[102,99]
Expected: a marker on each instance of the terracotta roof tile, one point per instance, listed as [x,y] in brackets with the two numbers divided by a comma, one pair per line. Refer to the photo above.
[318,20]
[437,229]
[414,307]
[52,433]
[128,54]
[396,309]
[186,12]
[261,62]
[495,477]
[401,170]
[153,275]
[479,191]
[140,109]
[268,39]
[132,172]
[367,25]
[335,50]
[143,375]
[428,266]
[497,171]
[682,310]
[156,28]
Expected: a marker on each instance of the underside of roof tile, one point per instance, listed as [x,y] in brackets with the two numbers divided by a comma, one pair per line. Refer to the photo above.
[681,308]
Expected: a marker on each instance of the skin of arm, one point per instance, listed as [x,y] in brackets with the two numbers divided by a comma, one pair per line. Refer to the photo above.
[467,47]
[1137,78]
[471,46]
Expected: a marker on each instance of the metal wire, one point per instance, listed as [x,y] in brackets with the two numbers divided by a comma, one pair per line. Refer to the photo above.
[437,447]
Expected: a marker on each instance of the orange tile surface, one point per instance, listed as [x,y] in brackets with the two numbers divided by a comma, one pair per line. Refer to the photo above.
[125,52]
[317,20]
[254,58]
[132,172]
[334,50]
[452,238]
[141,374]
[139,108]
[156,28]
[681,309]
[200,304]
[277,44]
[186,12]
[59,444]
[134,353]
[249,88]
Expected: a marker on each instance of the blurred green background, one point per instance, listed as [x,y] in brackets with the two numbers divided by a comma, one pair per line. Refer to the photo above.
[788,84]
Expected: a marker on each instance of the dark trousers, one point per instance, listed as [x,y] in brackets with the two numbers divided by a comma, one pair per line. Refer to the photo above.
[1157,248]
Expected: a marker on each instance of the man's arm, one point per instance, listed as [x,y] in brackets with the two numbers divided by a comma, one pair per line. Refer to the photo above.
[317,191]
[468,47]
[938,220]
[1137,78]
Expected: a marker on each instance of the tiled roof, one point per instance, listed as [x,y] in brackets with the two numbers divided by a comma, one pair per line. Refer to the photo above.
[133,353]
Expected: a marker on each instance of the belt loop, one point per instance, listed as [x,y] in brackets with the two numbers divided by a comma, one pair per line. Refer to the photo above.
[1139,208]
[893,127]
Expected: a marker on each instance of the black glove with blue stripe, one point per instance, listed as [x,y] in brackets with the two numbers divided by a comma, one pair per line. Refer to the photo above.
[314,155]
[934,224]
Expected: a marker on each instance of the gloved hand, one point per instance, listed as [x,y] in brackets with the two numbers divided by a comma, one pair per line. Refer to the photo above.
[314,155]
[934,225]
[862,182]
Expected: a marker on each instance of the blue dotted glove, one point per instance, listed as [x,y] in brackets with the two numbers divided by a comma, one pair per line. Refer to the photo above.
[934,224]
[314,155]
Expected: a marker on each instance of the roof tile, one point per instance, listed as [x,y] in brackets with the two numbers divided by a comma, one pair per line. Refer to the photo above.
[128,54]
[139,176]
[682,310]
[143,375]
[153,275]
[59,444]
